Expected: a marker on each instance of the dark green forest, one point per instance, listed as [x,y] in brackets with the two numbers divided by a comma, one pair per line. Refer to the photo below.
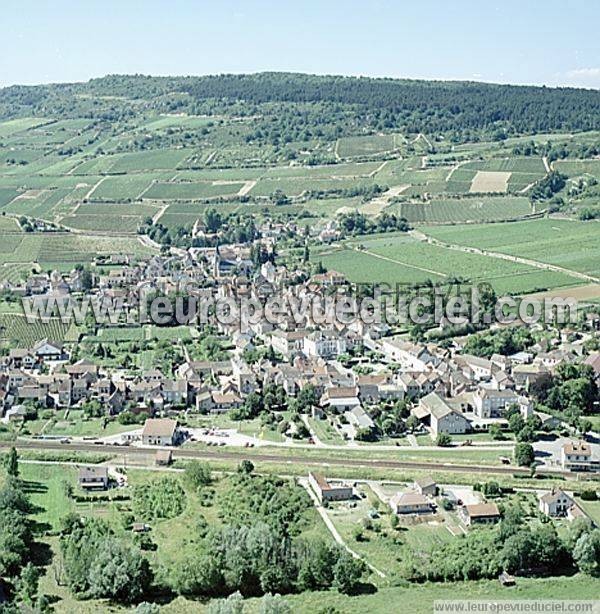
[330,105]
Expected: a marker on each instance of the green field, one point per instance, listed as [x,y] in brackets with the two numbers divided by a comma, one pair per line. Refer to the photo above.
[175,121]
[191,190]
[574,168]
[452,210]
[15,329]
[9,224]
[65,250]
[356,146]
[114,223]
[403,259]
[121,187]
[569,244]
[296,186]
[14,126]
[355,169]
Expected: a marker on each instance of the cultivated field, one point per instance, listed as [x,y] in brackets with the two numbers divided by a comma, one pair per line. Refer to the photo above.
[453,210]
[352,147]
[403,259]
[575,168]
[569,244]
[489,181]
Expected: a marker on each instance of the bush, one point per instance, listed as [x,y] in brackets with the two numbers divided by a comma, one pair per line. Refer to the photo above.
[162,498]
[443,440]
[197,474]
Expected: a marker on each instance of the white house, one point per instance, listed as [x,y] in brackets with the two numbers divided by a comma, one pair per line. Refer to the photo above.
[409,356]
[324,344]
[578,456]
[475,367]
[160,432]
[491,403]
[555,503]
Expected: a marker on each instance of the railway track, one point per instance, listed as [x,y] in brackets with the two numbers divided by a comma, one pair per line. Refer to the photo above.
[221,454]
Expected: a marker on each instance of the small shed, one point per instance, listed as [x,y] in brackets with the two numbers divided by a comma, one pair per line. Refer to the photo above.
[163,458]
[139,527]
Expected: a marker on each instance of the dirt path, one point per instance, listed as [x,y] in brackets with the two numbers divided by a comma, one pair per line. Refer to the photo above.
[93,188]
[159,214]
[501,256]
[422,136]
[527,188]
[148,242]
[546,165]
[246,188]
[455,168]
[211,157]
[332,529]
[72,171]
[378,170]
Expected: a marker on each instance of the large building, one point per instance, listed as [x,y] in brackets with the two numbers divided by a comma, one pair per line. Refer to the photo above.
[160,432]
[329,492]
[493,403]
[578,456]
[411,502]
[443,419]
[324,344]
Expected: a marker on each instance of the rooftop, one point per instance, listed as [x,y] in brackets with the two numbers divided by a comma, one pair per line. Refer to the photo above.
[159,427]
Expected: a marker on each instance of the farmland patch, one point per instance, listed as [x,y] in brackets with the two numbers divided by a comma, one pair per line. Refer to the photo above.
[485,182]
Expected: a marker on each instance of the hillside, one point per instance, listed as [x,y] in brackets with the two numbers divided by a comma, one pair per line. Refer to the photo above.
[364,103]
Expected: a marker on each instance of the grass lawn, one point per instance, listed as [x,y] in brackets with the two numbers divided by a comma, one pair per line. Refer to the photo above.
[484,437]
[88,428]
[383,548]
[462,455]
[592,508]
[45,486]
[326,432]
[422,537]
[419,599]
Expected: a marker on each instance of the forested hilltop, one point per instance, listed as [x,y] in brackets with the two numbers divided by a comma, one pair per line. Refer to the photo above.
[329,105]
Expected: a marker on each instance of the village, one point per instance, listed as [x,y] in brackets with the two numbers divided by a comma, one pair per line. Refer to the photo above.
[299,386]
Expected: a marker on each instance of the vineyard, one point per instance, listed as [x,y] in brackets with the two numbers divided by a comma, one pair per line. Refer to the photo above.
[16,330]
[454,210]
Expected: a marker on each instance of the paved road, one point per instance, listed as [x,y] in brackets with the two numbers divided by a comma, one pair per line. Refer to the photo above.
[223,454]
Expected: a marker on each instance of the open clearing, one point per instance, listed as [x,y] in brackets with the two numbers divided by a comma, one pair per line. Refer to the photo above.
[489,181]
